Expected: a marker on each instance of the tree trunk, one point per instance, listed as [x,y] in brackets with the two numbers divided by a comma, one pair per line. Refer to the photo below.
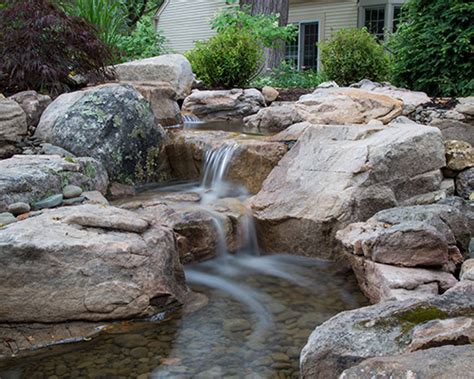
[274,56]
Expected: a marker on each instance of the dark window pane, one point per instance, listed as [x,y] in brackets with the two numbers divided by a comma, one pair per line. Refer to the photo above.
[291,55]
[397,14]
[310,36]
[375,21]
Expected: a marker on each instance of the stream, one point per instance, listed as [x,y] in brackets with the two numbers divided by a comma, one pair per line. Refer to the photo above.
[261,310]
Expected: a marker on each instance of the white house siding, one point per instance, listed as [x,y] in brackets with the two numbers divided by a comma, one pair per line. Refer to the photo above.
[332,15]
[185,21]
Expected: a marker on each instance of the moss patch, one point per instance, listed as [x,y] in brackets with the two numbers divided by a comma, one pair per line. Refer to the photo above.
[413,317]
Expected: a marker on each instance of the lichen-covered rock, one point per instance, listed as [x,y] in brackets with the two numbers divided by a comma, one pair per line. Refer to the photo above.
[385,329]
[172,68]
[89,262]
[465,184]
[335,175]
[33,104]
[113,124]
[459,155]
[224,105]
[29,178]
[13,126]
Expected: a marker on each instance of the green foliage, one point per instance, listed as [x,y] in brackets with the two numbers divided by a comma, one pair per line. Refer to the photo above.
[143,42]
[285,76]
[264,28]
[433,47]
[106,15]
[352,55]
[227,60]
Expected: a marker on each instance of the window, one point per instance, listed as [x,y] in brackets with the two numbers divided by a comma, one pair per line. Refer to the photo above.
[397,13]
[375,21]
[302,52]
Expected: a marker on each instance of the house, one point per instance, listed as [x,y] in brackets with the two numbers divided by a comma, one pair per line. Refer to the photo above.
[185,21]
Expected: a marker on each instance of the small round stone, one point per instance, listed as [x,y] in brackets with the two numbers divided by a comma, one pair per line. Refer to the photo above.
[6,218]
[19,208]
[71,191]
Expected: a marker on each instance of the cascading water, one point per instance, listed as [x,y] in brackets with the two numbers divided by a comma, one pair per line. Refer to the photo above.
[261,308]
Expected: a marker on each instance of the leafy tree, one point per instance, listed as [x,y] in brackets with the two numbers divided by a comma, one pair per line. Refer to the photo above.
[40,46]
[433,47]
[137,9]
[352,55]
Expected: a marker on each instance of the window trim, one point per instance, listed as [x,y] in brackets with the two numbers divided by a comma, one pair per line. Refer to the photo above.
[389,12]
[300,31]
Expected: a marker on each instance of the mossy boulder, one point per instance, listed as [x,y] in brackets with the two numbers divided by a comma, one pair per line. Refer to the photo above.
[111,123]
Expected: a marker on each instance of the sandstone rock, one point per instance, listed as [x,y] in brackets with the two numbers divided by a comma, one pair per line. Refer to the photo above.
[18,208]
[455,130]
[277,117]
[172,68]
[459,155]
[270,94]
[411,99]
[418,236]
[118,190]
[381,282]
[465,183]
[13,126]
[335,175]
[113,124]
[29,178]
[467,270]
[33,104]
[71,191]
[384,329]
[162,98]
[228,105]
[466,106]
[253,160]
[108,264]
[95,197]
[442,362]
[347,106]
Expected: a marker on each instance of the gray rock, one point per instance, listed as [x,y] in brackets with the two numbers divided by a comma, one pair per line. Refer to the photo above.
[444,362]
[172,68]
[48,149]
[74,200]
[335,175]
[95,197]
[471,248]
[13,126]
[467,270]
[277,117]
[224,105]
[108,264]
[19,208]
[33,104]
[331,84]
[71,191]
[455,130]
[465,184]
[31,178]
[49,202]
[6,218]
[111,123]
[384,329]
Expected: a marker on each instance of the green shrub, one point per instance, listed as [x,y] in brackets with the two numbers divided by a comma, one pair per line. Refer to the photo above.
[143,42]
[352,55]
[107,15]
[285,76]
[228,59]
[433,47]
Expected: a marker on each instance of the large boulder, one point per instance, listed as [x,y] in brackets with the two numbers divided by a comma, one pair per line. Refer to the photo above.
[33,104]
[113,124]
[13,126]
[411,99]
[29,178]
[224,105]
[455,130]
[439,362]
[252,160]
[89,262]
[335,175]
[163,101]
[172,68]
[388,329]
[342,106]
